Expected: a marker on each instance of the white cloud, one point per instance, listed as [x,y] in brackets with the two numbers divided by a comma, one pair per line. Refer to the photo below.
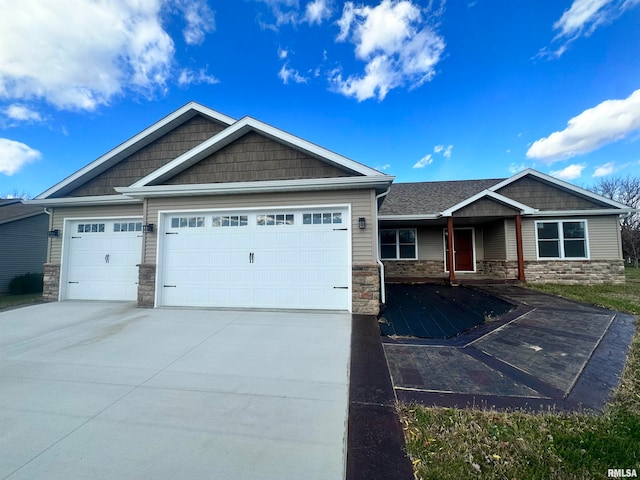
[22,113]
[515,168]
[604,170]
[607,122]
[199,18]
[424,161]
[14,155]
[382,168]
[446,151]
[317,11]
[287,74]
[284,11]
[282,53]
[569,173]
[395,41]
[191,77]
[80,53]
[582,18]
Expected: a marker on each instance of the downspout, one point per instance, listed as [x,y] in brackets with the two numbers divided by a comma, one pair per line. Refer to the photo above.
[49,240]
[383,295]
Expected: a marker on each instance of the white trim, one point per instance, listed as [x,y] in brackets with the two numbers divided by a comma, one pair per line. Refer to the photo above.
[85,201]
[569,213]
[430,216]
[559,183]
[339,183]
[148,135]
[66,237]
[525,209]
[234,132]
[445,232]
[163,215]
[562,256]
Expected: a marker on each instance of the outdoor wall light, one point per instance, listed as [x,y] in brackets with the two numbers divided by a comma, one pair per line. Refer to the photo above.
[53,233]
[362,223]
[148,228]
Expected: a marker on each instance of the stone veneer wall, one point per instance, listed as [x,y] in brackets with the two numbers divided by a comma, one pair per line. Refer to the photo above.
[413,268]
[51,282]
[575,271]
[366,289]
[146,285]
[502,269]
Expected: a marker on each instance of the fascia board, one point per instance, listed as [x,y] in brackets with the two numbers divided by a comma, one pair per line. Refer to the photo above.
[573,213]
[525,209]
[234,132]
[427,216]
[559,183]
[84,201]
[340,183]
[151,133]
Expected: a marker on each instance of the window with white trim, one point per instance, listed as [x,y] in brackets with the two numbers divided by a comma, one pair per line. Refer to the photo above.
[230,220]
[398,244]
[127,227]
[91,228]
[270,219]
[321,218]
[187,222]
[560,239]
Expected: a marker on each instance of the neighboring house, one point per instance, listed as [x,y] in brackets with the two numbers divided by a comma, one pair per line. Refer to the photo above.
[23,240]
[203,210]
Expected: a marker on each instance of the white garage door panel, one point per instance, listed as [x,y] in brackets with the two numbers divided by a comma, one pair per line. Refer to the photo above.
[102,262]
[290,265]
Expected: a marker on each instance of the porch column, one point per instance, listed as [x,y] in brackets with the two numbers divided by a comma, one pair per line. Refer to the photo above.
[519,248]
[452,267]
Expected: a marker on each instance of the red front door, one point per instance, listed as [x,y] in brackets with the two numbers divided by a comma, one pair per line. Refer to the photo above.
[462,250]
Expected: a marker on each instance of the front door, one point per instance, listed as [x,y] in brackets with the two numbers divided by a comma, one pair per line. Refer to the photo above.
[463,256]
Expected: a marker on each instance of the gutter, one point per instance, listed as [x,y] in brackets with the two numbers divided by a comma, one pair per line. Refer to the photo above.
[383,295]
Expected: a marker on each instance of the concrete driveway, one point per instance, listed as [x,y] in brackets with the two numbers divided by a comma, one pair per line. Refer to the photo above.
[96,390]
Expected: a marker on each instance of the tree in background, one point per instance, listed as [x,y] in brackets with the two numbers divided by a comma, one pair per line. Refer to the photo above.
[625,190]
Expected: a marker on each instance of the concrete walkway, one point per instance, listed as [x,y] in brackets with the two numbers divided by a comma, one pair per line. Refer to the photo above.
[93,390]
[548,352]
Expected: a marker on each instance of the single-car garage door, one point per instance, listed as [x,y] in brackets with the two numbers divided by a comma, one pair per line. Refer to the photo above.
[102,259]
[286,258]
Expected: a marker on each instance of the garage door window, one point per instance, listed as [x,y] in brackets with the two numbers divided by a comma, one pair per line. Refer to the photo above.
[91,228]
[187,222]
[322,218]
[127,227]
[230,220]
[275,219]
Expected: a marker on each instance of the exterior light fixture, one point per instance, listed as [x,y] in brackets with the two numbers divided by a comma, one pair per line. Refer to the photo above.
[53,233]
[362,223]
[148,228]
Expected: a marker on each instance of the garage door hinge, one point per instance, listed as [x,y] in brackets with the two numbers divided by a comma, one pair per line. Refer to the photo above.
[170,286]
[342,288]
[343,229]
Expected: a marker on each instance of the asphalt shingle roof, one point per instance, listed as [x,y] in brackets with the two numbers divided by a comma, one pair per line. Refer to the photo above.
[12,209]
[425,198]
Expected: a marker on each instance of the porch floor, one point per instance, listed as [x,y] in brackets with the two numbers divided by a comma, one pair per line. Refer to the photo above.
[430,310]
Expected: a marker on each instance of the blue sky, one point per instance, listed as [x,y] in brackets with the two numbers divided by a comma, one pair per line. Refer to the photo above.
[420,90]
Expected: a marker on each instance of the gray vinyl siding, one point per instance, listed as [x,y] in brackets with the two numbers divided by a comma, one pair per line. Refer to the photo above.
[494,236]
[362,205]
[24,248]
[59,214]
[603,236]
[430,243]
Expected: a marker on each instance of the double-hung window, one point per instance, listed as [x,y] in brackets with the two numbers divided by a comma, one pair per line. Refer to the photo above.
[398,244]
[562,239]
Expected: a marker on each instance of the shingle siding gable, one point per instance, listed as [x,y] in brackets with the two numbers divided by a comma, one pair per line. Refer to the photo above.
[540,195]
[254,157]
[150,158]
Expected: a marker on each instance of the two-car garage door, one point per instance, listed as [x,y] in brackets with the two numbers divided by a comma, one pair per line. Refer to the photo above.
[282,258]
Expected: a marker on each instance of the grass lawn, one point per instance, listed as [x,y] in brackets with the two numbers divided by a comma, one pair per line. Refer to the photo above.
[446,443]
[10,301]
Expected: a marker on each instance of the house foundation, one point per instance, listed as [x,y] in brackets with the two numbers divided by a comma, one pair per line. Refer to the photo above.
[51,282]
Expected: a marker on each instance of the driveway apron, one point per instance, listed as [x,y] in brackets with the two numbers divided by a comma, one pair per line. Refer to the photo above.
[105,390]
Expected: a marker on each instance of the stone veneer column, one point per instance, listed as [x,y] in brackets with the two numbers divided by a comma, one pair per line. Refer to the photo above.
[146,285]
[51,282]
[366,289]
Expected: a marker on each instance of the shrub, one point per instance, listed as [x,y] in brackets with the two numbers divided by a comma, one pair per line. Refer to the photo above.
[27,283]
